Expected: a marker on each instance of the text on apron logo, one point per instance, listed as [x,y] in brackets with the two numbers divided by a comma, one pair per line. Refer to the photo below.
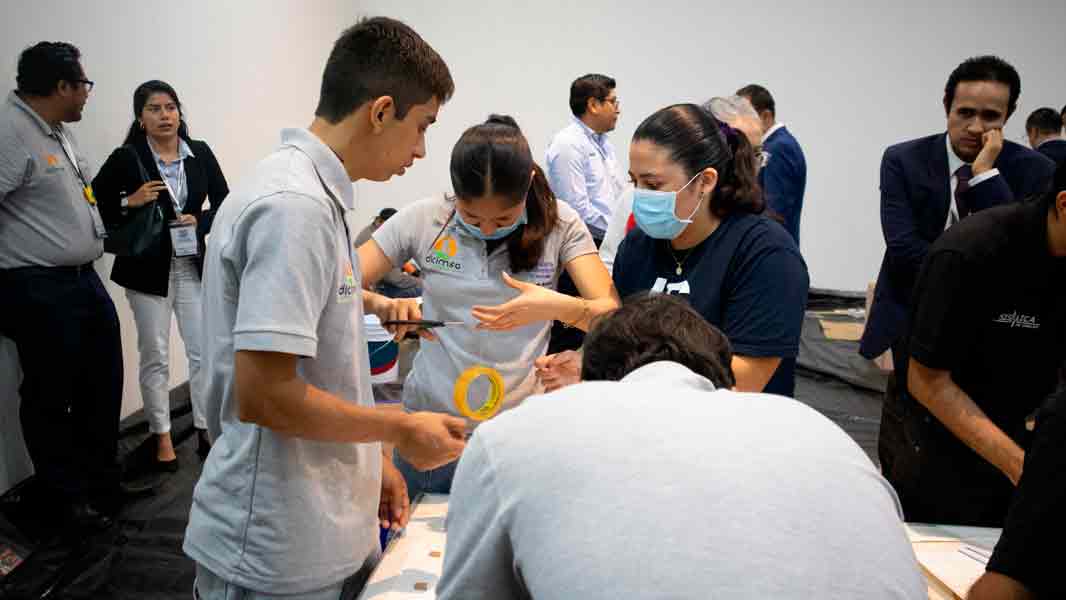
[443,254]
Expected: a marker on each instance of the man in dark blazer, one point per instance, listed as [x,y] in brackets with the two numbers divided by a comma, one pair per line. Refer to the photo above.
[783,176]
[1044,128]
[927,185]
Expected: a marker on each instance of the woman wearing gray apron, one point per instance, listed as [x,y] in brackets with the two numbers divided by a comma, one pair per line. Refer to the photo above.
[491,256]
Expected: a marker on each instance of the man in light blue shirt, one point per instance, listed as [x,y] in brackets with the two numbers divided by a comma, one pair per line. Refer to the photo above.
[583,172]
[582,167]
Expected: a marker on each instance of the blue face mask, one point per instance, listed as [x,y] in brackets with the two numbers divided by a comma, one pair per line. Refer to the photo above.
[499,234]
[654,212]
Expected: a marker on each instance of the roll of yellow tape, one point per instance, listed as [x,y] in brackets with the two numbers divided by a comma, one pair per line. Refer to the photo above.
[492,404]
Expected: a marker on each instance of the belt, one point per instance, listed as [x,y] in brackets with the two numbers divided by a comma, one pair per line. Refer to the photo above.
[76,270]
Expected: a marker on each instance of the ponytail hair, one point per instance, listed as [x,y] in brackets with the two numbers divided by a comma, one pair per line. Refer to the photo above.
[743,187]
[493,158]
[697,140]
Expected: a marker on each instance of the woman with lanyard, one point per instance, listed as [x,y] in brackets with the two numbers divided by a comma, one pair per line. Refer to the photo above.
[491,256]
[164,280]
[701,233]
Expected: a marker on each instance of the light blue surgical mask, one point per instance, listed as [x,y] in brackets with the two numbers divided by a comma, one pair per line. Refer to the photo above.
[654,212]
[499,234]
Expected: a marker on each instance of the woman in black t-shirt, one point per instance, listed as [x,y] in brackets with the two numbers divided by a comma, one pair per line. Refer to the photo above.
[701,233]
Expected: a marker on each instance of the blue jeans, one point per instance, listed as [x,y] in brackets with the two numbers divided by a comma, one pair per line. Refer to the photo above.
[390,291]
[433,481]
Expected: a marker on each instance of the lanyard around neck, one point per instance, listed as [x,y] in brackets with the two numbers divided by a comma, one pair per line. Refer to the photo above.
[68,151]
[182,178]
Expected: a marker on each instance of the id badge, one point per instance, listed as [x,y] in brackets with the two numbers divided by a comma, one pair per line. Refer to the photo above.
[98,223]
[183,238]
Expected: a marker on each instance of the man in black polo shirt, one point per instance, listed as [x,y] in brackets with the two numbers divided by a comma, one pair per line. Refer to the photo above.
[988,337]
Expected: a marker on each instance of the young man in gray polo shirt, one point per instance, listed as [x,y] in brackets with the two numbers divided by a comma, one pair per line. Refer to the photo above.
[52,303]
[655,480]
[288,503]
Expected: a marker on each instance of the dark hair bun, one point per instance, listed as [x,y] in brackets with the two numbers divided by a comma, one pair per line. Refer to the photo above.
[507,120]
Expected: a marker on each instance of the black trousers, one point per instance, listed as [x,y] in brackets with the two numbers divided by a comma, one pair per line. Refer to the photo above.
[66,330]
[563,337]
[937,477]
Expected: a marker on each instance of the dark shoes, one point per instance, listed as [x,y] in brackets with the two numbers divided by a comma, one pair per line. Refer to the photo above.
[142,461]
[81,517]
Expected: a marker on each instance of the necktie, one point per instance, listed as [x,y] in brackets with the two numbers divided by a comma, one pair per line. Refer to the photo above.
[963,176]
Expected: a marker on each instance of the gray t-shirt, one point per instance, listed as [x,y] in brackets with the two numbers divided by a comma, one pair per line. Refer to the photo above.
[457,274]
[45,220]
[275,513]
[659,487]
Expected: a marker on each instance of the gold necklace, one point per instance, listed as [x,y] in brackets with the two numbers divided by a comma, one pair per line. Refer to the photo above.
[680,263]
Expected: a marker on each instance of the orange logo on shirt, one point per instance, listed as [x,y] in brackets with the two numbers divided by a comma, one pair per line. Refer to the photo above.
[443,255]
[346,291]
[52,160]
[446,247]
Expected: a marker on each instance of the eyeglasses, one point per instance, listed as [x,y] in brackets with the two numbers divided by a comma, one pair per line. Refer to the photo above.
[615,102]
[88,84]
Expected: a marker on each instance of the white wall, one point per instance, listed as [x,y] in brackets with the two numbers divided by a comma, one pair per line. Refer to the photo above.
[244,69]
[850,77]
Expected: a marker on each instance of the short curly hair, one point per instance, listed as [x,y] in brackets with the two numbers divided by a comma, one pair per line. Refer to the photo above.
[984,68]
[586,87]
[379,57]
[43,65]
[652,327]
[1044,121]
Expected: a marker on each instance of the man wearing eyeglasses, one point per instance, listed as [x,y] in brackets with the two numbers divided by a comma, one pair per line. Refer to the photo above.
[583,171]
[53,305]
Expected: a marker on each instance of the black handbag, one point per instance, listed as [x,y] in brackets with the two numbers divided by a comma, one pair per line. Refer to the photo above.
[141,228]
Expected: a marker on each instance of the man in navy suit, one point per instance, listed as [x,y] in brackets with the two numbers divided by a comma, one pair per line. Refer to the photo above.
[784,174]
[1044,128]
[927,185]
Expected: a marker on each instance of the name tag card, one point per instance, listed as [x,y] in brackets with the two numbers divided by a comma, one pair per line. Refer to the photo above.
[183,238]
[98,223]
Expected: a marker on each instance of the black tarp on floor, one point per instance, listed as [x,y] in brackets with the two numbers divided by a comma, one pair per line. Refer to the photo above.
[140,558]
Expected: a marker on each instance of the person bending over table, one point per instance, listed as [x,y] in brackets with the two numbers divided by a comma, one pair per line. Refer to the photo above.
[1022,566]
[987,339]
[491,257]
[701,234]
[654,479]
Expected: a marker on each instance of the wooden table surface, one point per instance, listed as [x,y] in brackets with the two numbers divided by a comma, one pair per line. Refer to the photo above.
[411,566]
